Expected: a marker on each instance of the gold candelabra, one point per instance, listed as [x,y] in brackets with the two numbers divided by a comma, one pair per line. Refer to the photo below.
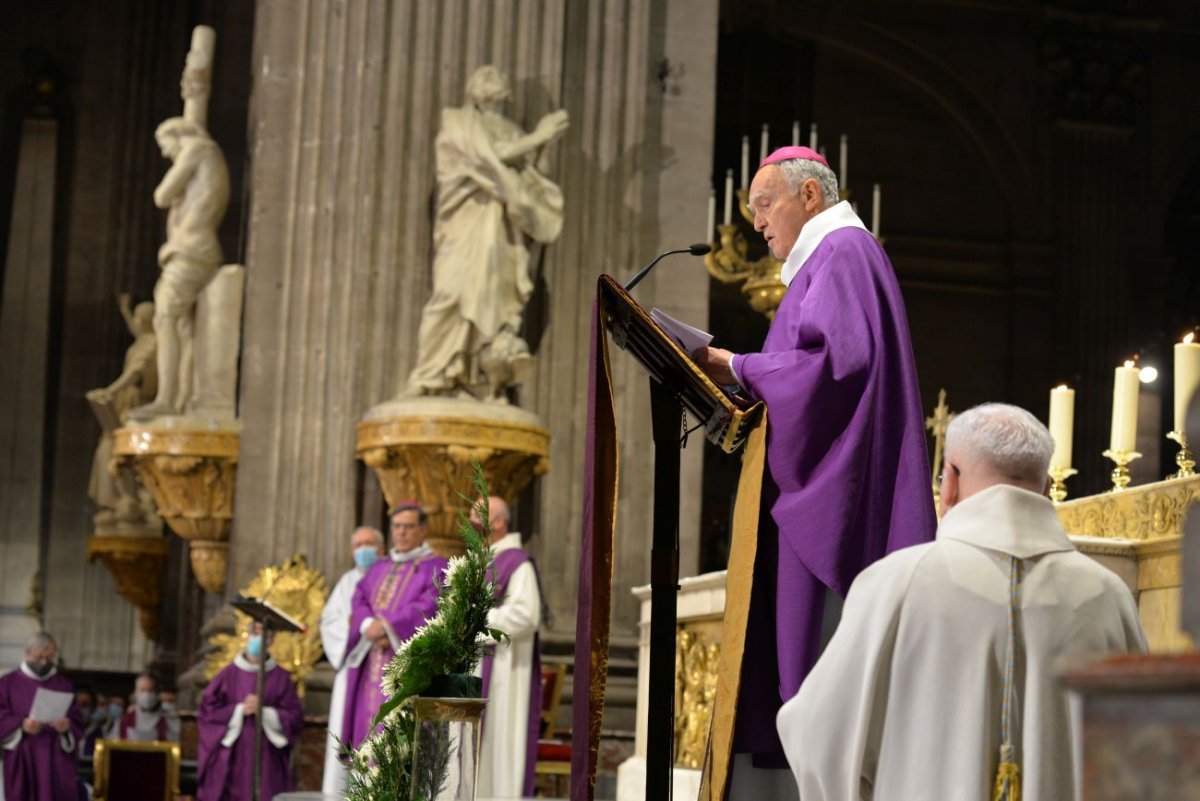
[1120,473]
[728,262]
[1058,482]
[1184,457]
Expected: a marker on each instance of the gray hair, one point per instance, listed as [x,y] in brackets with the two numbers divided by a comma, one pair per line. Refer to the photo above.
[40,640]
[1007,439]
[375,533]
[797,171]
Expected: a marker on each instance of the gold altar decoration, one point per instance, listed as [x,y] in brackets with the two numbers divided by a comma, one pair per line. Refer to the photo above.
[697,657]
[1183,458]
[191,474]
[428,456]
[136,564]
[1142,526]
[1058,482]
[301,592]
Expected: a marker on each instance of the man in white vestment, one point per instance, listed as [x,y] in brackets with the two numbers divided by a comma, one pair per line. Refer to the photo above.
[149,718]
[906,701]
[367,546]
[512,675]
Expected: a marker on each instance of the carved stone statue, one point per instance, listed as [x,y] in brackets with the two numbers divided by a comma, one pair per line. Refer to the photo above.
[492,199]
[122,501]
[195,192]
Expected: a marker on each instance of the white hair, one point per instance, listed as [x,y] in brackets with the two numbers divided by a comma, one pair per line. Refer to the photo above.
[1007,439]
[38,640]
[797,171]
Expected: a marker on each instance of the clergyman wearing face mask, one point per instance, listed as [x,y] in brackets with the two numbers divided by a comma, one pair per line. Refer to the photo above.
[148,719]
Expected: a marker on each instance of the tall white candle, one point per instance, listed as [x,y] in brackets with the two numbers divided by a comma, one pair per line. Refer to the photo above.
[1062,424]
[875,198]
[795,133]
[1125,408]
[728,218]
[710,231]
[1187,378]
[745,162]
[812,136]
[843,160]
[764,144]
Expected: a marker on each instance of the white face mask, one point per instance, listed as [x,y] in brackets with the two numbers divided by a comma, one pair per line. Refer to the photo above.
[146,701]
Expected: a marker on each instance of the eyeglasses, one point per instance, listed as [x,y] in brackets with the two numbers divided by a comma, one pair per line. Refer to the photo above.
[942,475]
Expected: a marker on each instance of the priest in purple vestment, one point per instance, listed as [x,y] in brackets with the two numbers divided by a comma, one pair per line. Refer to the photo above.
[512,672]
[38,756]
[227,719]
[848,471]
[396,596]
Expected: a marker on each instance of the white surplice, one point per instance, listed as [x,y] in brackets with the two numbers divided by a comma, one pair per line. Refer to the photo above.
[502,757]
[335,632]
[905,702]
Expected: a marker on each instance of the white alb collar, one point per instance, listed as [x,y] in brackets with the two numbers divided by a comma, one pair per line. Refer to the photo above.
[25,669]
[840,215]
[245,664]
[509,541]
[420,551]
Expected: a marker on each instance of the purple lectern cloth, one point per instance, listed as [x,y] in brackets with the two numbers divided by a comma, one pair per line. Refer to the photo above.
[503,567]
[403,593]
[227,773]
[38,769]
[848,472]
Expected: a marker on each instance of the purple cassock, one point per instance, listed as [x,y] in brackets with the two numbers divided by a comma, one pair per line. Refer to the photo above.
[41,767]
[503,566]
[848,472]
[225,762]
[405,595]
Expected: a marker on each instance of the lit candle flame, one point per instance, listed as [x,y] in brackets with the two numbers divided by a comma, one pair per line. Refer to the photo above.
[1130,363]
[1061,388]
[1187,340]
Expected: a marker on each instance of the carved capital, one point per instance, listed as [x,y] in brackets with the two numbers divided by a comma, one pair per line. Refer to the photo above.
[428,457]
[1147,512]
[136,564]
[191,475]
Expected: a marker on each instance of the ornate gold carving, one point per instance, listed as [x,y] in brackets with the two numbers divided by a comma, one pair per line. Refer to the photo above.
[696,662]
[300,591]
[191,475]
[136,564]
[428,457]
[1139,513]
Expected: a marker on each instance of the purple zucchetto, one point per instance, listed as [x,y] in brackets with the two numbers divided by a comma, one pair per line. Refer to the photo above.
[794,152]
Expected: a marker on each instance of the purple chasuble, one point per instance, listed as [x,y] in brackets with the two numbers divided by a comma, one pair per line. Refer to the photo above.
[503,566]
[38,769]
[848,471]
[405,595]
[226,773]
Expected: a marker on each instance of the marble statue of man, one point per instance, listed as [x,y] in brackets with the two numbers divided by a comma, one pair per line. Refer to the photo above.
[492,198]
[195,192]
[119,497]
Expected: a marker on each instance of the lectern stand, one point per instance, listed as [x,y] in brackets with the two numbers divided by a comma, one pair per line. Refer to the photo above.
[676,384]
[272,619]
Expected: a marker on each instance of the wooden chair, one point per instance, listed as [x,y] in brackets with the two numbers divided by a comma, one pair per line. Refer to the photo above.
[554,755]
[126,770]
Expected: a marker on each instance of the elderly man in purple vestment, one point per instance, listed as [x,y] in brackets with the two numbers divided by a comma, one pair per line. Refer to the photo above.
[226,719]
[37,751]
[397,595]
[848,472]
[512,674]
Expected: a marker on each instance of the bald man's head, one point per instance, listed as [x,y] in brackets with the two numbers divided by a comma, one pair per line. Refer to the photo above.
[498,516]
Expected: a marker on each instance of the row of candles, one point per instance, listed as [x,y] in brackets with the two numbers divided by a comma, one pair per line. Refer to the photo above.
[763,152]
[1123,435]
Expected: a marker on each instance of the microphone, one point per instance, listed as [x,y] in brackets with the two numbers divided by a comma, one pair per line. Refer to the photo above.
[694,250]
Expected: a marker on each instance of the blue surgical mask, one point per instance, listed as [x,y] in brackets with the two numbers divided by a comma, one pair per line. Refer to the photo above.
[254,646]
[365,556]
[99,715]
[115,710]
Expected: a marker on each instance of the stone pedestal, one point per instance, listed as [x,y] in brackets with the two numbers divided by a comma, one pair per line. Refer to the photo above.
[189,465]
[423,449]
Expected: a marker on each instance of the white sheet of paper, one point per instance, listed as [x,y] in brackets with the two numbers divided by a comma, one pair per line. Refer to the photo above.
[687,337]
[50,705]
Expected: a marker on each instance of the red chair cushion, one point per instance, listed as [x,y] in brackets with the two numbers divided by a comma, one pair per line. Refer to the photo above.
[553,751]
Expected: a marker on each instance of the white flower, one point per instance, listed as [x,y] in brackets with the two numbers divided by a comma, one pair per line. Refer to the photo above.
[452,568]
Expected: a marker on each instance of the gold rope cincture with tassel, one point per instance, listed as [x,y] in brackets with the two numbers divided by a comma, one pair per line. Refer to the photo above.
[1008,772]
